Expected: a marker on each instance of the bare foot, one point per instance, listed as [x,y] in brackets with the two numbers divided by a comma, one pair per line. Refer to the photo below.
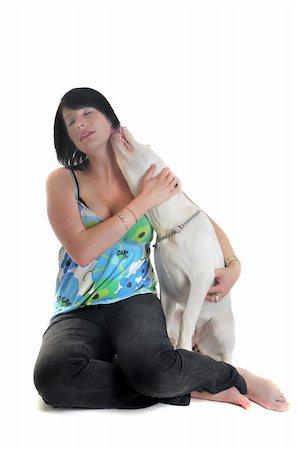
[264,392]
[231,395]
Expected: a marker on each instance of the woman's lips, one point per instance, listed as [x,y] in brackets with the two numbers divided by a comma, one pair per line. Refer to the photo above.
[86,137]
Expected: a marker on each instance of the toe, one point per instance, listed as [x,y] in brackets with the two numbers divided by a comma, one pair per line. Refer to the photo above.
[245,402]
[282,406]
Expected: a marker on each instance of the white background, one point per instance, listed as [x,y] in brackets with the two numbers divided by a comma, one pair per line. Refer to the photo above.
[212,86]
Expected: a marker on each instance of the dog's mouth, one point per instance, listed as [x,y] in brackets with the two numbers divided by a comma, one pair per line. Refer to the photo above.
[117,130]
[119,137]
[127,145]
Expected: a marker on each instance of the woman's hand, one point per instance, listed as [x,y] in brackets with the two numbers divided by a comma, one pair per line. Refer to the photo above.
[158,189]
[225,278]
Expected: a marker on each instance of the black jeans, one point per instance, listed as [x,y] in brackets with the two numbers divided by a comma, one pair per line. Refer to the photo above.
[119,356]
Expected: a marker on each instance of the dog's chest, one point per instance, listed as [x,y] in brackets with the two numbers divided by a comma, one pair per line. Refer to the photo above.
[170,273]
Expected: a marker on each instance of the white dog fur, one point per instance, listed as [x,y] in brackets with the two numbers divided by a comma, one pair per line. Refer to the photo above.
[185,262]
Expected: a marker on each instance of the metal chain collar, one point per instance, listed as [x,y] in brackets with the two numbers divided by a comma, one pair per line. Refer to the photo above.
[176,229]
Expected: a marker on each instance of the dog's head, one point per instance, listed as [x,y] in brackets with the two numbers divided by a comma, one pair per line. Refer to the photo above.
[133,158]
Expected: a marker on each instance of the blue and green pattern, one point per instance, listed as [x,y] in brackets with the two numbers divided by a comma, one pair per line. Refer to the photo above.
[120,272]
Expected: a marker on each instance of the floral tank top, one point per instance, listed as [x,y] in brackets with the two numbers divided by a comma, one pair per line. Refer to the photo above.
[122,271]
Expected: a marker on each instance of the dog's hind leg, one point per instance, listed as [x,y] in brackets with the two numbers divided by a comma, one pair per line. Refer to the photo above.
[217,338]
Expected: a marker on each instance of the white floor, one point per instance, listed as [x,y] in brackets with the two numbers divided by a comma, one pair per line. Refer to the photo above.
[200,425]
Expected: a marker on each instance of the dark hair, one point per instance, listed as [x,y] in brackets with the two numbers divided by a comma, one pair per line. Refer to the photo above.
[67,153]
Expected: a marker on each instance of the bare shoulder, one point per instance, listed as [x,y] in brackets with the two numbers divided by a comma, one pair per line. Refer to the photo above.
[62,209]
[59,175]
[60,181]
[60,192]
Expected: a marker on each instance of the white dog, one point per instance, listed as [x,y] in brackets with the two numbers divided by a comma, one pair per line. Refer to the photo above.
[186,256]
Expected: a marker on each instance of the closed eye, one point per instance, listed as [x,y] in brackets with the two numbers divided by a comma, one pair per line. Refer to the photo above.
[83,115]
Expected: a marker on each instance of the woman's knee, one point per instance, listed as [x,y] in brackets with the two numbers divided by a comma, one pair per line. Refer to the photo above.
[41,377]
[153,377]
[53,371]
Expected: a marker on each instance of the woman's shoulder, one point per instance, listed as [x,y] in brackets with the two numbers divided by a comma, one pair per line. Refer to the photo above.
[59,174]
[59,171]
[60,177]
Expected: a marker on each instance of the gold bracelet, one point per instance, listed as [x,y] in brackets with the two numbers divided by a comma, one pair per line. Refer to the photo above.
[229,259]
[123,220]
[126,207]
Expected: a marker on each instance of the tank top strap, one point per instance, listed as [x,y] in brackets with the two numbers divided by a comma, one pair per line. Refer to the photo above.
[77,190]
[76,184]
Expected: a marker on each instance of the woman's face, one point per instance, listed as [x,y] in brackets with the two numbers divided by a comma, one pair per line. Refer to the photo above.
[79,122]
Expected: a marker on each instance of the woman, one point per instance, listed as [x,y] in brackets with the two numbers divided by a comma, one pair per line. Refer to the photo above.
[106,345]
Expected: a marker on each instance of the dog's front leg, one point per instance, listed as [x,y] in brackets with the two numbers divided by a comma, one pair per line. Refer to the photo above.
[169,308]
[199,286]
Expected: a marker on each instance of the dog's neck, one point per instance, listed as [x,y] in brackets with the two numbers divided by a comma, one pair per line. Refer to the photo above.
[172,213]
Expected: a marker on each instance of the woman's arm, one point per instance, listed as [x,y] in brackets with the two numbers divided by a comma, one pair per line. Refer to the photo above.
[85,244]
[225,277]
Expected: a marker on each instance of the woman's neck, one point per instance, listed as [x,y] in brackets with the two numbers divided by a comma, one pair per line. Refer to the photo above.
[103,166]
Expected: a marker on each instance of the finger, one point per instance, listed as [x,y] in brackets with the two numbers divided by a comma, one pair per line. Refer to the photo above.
[150,171]
[175,183]
[172,180]
[217,298]
[163,172]
[179,184]
[218,295]
[214,298]
[214,290]
[171,177]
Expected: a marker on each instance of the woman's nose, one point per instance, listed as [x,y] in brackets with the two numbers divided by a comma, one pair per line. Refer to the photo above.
[80,122]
